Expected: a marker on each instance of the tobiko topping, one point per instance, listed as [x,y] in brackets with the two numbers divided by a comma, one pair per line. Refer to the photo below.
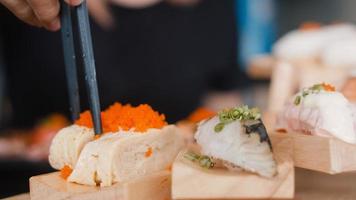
[125,117]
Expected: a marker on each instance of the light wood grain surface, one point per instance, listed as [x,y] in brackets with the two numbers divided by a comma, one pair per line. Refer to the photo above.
[52,187]
[328,155]
[310,185]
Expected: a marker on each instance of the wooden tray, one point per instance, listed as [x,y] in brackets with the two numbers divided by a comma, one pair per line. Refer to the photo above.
[52,187]
[328,155]
[191,182]
[310,185]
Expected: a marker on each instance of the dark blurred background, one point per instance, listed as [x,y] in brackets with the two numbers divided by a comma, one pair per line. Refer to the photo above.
[175,57]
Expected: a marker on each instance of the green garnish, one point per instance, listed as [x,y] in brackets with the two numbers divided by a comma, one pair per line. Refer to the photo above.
[219,127]
[312,90]
[317,87]
[203,161]
[237,113]
[305,93]
[297,100]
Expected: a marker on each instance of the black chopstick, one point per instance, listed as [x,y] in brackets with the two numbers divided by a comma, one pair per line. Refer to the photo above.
[88,61]
[69,60]
[89,65]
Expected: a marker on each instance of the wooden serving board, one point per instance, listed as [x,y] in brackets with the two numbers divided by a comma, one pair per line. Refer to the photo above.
[310,185]
[52,187]
[328,155]
[190,181]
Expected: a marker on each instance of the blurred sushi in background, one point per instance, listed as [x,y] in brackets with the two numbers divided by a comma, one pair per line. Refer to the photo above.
[309,55]
[33,144]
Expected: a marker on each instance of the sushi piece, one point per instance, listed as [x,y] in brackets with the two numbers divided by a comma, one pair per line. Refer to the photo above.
[126,155]
[311,40]
[310,55]
[340,54]
[136,142]
[319,110]
[238,138]
[67,145]
[301,44]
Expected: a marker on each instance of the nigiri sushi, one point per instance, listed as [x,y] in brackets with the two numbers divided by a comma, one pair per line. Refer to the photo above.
[319,110]
[239,139]
[312,39]
[300,44]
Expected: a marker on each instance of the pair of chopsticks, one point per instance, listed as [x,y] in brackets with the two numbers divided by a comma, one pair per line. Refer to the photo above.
[89,63]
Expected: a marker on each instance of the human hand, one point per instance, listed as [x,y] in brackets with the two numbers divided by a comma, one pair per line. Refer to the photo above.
[40,13]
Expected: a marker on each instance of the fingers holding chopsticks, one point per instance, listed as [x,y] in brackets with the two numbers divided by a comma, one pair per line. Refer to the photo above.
[22,10]
[74,2]
[47,12]
[40,13]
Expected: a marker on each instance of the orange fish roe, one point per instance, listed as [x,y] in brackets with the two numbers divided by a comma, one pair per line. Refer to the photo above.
[125,117]
[149,152]
[65,171]
[310,26]
[281,130]
[169,168]
[200,114]
[328,87]
[85,119]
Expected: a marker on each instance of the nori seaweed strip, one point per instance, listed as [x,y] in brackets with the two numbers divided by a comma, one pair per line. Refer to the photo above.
[261,130]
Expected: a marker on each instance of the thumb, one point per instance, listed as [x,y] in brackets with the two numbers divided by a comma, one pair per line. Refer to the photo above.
[74,2]
[100,12]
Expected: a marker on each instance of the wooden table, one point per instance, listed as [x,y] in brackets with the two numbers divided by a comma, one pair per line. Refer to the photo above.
[309,186]
[314,185]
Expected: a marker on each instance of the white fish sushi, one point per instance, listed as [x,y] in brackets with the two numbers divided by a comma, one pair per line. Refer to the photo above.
[310,43]
[239,139]
[319,110]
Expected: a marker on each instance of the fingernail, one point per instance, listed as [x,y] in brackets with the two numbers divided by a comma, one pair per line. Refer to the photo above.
[55,25]
[75,2]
